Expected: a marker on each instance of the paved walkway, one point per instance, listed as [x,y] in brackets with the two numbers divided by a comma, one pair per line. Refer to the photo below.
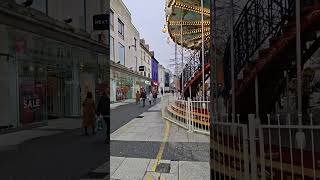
[149,147]
[124,102]
[54,127]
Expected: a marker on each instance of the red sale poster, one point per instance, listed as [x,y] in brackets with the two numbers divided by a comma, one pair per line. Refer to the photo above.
[31,102]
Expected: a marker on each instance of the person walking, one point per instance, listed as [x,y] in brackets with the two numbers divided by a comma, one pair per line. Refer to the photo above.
[103,110]
[144,97]
[88,114]
[150,97]
[155,96]
[138,97]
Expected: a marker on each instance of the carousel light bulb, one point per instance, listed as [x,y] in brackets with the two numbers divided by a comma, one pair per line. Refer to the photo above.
[164,30]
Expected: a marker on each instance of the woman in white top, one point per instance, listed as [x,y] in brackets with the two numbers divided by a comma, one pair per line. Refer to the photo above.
[150,97]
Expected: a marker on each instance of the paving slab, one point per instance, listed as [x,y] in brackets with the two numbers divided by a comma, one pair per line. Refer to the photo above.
[174,167]
[131,168]
[115,163]
[150,165]
[200,170]
[165,176]
[151,176]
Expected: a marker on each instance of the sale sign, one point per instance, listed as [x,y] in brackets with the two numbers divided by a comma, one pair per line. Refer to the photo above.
[31,103]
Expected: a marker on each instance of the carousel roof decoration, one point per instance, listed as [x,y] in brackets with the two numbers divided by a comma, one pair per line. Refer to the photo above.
[188,14]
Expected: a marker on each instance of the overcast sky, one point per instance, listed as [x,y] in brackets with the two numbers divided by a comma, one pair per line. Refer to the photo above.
[148,17]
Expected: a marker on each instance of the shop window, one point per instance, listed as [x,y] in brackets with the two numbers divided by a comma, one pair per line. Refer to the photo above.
[121,54]
[120,29]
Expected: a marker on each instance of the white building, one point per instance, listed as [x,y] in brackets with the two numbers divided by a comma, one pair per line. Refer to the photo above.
[161,78]
[145,58]
[125,55]
[124,37]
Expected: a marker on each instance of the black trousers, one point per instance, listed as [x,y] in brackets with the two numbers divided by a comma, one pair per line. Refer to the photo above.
[107,123]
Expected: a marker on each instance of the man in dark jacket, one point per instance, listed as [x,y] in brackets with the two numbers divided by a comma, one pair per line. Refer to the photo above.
[144,97]
[155,96]
[104,110]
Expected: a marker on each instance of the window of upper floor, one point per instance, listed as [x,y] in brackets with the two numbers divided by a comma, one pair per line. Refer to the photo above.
[120,29]
[111,20]
[135,43]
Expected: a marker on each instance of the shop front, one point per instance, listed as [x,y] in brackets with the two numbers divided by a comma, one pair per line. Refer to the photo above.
[48,78]
[124,83]
[155,86]
[147,85]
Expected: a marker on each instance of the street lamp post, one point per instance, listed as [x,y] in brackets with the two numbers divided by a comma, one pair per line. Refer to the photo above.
[300,136]
[182,83]
[298,51]
[232,63]
[202,37]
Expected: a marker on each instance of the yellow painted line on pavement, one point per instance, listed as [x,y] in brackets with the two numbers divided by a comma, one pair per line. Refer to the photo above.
[161,149]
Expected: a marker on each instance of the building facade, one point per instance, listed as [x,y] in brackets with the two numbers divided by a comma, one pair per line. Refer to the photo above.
[161,77]
[50,57]
[125,55]
[154,71]
[145,58]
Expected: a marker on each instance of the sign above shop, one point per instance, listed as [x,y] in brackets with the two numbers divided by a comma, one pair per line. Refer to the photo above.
[147,82]
[141,68]
[155,83]
[101,22]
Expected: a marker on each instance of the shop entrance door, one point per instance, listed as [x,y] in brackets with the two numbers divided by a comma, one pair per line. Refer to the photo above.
[55,97]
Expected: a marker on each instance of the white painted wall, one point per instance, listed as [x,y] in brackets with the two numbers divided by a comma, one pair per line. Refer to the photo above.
[145,58]
[130,32]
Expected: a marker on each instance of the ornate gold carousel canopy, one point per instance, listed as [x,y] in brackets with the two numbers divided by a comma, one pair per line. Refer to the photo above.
[188,14]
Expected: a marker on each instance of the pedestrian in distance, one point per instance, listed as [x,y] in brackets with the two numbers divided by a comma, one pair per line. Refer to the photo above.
[138,97]
[103,110]
[88,114]
[150,97]
[155,96]
[144,97]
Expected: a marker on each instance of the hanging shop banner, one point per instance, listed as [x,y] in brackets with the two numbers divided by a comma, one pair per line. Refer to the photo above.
[141,68]
[31,102]
[101,22]
[147,83]
[155,83]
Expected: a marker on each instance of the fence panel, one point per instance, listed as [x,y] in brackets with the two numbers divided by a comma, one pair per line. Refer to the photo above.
[230,151]
[192,115]
[292,151]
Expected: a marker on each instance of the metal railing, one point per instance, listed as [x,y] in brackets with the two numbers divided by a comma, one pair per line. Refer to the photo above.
[192,115]
[273,149]
[258,22]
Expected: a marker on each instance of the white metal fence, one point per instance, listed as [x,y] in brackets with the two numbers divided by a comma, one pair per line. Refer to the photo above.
[270,148]
[190,114]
